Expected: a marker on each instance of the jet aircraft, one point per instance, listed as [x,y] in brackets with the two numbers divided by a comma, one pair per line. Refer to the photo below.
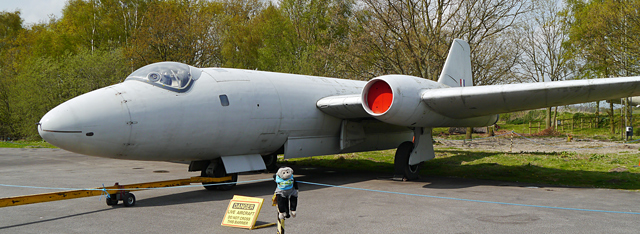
[225,121]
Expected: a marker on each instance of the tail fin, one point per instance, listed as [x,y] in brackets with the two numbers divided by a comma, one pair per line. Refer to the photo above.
[457,69]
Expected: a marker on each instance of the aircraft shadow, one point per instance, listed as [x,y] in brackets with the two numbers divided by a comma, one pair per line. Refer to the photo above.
[264,188]
[436,174]
[456,172]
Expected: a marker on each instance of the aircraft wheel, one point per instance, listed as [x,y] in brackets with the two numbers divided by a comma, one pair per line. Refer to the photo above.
[401,162]
[218,172]
[129,200]
[227,187]
[271,162]
[112,201]
[209,186]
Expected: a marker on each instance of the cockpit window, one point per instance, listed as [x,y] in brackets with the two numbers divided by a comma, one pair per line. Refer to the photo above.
[173,76]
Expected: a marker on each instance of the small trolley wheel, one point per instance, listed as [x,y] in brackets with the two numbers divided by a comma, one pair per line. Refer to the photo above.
[129,200]
[112,200]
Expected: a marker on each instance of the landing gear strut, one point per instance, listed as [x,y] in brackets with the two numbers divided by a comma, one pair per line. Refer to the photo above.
[216,170]
[404,171]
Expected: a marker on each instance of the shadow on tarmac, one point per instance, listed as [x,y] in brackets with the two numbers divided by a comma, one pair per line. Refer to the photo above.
[455,172]
[265,188]
[54,219]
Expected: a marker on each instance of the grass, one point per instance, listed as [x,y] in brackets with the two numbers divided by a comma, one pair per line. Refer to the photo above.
[25,144]
[615,171]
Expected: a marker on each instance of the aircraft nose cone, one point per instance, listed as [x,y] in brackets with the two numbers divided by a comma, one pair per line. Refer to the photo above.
[95,123]
[59,120]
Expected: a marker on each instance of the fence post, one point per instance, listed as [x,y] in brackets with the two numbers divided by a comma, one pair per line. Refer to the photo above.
[511,146]
[539,126]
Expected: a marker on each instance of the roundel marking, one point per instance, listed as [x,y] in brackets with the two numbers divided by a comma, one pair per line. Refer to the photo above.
[379,97]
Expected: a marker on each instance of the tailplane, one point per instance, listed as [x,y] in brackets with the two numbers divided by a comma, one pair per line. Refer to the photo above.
[457,69]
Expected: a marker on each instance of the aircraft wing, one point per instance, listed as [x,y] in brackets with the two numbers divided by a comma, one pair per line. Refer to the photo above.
[466,102]
[475,101]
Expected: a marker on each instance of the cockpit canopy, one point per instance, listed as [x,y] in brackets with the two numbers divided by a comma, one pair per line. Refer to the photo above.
[174,76]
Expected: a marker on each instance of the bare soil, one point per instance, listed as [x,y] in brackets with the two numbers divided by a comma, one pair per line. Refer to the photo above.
[518,143]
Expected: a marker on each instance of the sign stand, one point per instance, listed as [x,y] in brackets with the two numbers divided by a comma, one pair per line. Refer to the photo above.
[243,213]
[280,225]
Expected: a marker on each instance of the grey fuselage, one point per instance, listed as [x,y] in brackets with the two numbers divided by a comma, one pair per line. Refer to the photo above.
[267,112]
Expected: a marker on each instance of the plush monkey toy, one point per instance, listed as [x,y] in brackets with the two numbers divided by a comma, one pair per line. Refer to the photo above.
[286,192]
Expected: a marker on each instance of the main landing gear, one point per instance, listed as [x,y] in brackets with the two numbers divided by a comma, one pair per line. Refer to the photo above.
[216,169]
[410,155]
[402,169]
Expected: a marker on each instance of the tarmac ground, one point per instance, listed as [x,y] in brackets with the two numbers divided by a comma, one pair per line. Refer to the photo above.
[378,205]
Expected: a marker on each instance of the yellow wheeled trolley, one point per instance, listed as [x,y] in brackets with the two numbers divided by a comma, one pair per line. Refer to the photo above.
[116,192]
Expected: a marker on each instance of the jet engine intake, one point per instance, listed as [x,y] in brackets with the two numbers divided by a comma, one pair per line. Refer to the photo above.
[397,99]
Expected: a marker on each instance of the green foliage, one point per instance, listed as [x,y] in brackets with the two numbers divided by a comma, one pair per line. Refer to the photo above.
[185,31]
[25,144]
[525,117]
[10,28]
[47,82]
[95,43]
[604,36]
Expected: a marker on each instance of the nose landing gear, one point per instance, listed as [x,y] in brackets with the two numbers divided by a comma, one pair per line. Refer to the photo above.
[216,170]
[270,161]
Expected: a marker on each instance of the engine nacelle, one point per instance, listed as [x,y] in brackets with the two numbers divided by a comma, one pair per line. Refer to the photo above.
[397,99]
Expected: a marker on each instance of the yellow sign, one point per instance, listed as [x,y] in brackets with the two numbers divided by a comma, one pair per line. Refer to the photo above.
[243,212]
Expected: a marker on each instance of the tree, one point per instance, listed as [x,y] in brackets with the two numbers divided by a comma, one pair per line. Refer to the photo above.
[102,24]
[10,28]
[240,41]
[50,81]
[604,39]
[279,48]
[185,31]
[303,36]
[544,57]
[413,37]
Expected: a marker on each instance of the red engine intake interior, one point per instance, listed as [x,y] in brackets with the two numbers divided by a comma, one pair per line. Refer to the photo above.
[379,97]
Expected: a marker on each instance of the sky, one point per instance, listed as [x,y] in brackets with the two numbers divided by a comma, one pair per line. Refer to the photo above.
[34,11]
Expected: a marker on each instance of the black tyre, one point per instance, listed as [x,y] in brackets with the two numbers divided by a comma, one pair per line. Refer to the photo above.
[129,200]
[112,200]
[217,173]
[401,162]
[208,186]
[227,187]
[271,162]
